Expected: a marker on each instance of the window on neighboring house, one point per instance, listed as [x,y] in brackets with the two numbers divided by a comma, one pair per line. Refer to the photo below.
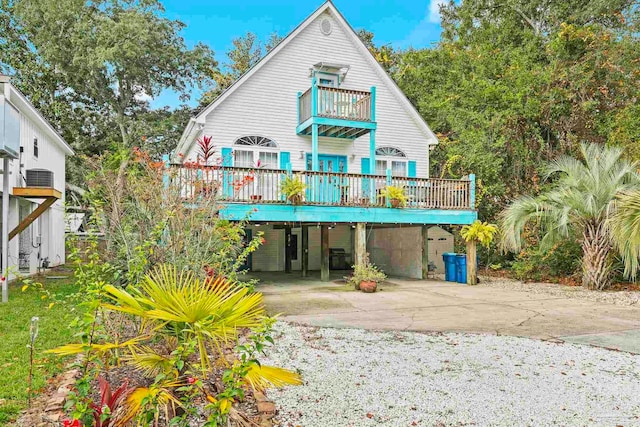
[35,147]
[250,149]
[391,158]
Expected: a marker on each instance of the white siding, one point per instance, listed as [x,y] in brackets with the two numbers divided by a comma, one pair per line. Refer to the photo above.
[49,228]
[266,103]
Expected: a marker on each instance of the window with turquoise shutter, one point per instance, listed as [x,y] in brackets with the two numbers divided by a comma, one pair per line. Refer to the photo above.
[391,158]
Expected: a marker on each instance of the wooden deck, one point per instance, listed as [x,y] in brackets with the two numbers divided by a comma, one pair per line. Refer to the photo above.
[262,186]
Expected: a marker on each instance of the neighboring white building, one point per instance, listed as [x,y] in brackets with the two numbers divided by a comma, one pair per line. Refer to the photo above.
[37,178]
[320,105]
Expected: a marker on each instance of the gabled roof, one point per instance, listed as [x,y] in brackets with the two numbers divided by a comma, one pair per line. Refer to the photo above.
[200,118]
[14,96]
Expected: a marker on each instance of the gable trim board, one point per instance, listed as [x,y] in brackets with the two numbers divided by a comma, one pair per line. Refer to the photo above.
[196,124]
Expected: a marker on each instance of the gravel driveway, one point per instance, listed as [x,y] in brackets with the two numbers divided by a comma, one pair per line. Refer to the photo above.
[359,378]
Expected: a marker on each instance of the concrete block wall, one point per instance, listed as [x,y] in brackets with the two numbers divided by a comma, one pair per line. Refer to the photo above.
[397,251]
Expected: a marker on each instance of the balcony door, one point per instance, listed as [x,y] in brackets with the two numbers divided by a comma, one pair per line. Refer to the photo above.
[329,188]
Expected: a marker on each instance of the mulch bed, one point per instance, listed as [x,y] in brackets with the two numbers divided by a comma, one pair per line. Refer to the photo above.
[563,281]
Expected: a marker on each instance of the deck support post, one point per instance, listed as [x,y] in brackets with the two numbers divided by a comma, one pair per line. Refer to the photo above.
[372,165]
[5,229]
[425,251]
[315,164]
[472,263]
[305,250]
[324,253]
[287,249]
[360,255]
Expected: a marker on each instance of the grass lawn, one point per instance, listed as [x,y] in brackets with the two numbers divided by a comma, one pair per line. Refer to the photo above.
[15,318]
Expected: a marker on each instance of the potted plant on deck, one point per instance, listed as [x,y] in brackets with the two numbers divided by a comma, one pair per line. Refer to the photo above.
[293,189]
[395,195]
[366,276]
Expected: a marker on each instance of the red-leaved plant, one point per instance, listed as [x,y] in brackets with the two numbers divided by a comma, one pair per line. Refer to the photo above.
[206,149]
[110,400]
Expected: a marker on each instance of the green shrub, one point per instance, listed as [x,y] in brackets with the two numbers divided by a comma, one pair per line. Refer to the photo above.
[562,260]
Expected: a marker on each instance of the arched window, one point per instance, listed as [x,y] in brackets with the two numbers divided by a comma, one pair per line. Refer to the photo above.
[390,152]
[254,151]
[255,140]
[391,158]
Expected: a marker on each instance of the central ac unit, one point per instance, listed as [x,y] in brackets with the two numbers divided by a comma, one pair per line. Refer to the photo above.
[39,178]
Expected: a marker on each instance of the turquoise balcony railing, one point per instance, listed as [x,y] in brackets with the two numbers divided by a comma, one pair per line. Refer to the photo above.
[262,186]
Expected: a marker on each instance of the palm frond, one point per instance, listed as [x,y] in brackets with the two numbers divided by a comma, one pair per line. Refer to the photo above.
[625,231]
[99,349]
[149,361]
[161,396]
[210,311]
[261,377]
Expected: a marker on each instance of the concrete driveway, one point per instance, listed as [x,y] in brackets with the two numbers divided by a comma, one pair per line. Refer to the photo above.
[431,305]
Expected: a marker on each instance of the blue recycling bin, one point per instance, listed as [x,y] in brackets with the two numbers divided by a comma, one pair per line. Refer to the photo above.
[461,268]
[449,259]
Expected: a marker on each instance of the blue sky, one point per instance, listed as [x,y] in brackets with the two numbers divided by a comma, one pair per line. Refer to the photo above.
[401,23]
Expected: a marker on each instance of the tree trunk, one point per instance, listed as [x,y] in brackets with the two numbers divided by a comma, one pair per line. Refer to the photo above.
[596,269]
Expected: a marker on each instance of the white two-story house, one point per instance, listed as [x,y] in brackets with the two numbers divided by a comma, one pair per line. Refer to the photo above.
[36,183]
[319,107]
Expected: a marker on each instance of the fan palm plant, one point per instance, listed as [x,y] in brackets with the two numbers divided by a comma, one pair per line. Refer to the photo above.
[581,199]
[175,309]
[625,230]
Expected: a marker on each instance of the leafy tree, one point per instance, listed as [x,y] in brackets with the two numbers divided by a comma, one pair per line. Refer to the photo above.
[386,55]
[114,53]
[514,84]
[581,200]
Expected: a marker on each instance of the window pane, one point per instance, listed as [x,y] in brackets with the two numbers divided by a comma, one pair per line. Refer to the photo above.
[381,167]
[398,168]
[243,159]
[268,160]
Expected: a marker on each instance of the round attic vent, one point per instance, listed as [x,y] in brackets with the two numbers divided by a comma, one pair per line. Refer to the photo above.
[325,26]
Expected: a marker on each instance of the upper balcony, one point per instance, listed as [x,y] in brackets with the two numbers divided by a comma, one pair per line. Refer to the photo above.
[337,112]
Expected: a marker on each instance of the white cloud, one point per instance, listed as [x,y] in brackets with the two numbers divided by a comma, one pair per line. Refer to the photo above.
[143,97]
[434,10]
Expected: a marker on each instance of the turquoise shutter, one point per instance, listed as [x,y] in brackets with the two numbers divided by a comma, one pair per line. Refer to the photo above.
[227,184]
[364,169]
[227,156]
[285,160]
[364,165]
[412,169]
[411,173]
[285,164]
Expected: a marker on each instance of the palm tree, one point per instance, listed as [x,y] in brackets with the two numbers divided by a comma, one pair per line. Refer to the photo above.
[625,230]
[582,200]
